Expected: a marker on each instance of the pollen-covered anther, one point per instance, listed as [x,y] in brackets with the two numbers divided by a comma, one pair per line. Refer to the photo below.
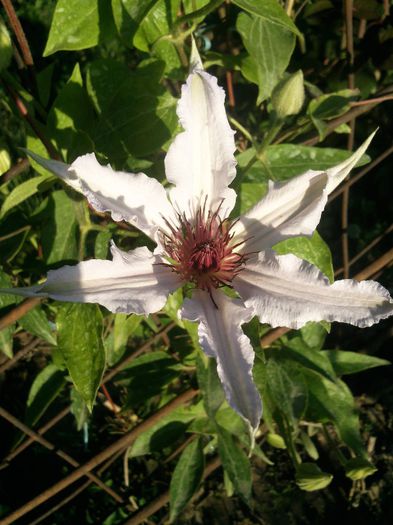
[201,250]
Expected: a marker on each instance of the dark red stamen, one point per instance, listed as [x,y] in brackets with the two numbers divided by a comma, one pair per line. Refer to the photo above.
[201,251]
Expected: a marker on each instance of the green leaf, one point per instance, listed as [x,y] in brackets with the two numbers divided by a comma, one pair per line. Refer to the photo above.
[312,249]
[235,463]
[59,231]
[6,341]
[298,351]
[80,342]
[5,46]
[166,431]
[269,10]
[309,446]
[332,402]
[147,376]
[331,105]
[284,161]
[71,118]
[44,83]
[5,160]
[36,322]
[23,191]
[270,48]
[45,388]
[186,478]
[78,409]
[249,194]
[128,15]
[210,385]
[101,244]
[124,326]
[78,25]
[150,36]
[314,334]
[309,477]
[287,388]
[345,363]
[137,115]
[359,468]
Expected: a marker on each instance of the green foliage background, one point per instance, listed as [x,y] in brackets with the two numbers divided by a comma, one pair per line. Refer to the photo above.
[106,78]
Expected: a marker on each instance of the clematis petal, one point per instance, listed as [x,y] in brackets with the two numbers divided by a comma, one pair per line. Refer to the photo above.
[200,161]
[287,291]
[289,209]
[135,198]
[292,208]
[133,282]
[221,337]
[338,173]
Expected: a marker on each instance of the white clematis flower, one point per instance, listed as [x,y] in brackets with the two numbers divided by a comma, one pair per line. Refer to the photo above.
[197,243]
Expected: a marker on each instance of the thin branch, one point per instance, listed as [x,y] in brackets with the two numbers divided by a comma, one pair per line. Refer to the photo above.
[351,85]
[107,377]
[76,492]
[63,455]
[31,121]
[162,500]
[371,100]
[365,250]
[20,167]
[19,33]
[361,173]
[375,266]
[32,345]
[19,311]
[118,445]
[135,354]
[51,423]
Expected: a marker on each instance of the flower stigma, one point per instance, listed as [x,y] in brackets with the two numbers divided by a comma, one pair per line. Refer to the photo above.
[201,250]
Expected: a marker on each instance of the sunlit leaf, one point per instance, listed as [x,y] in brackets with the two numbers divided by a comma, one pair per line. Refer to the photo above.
[186,478]
[80,342]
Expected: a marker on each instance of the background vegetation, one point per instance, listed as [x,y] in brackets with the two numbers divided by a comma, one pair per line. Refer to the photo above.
[105,76]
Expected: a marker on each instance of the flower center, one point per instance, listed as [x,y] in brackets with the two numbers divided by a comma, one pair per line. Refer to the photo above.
[201,250]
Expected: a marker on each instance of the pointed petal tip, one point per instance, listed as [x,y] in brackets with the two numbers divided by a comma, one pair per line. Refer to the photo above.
[338,173]
[54,166]
[29,291]
[221,337]
[195,59]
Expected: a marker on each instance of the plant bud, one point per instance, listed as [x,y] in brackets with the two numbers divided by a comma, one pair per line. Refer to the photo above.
[359,468]
[5,47]
[288,95]
[310,477]
[275,440]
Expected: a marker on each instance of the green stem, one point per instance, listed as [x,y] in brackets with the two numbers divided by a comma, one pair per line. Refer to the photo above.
[202,12]
[260,150]
[241,128]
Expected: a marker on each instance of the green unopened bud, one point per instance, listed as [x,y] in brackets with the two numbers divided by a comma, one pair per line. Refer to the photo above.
[288,95]
[5,47]
[275,440]
[359,468]
[310,477]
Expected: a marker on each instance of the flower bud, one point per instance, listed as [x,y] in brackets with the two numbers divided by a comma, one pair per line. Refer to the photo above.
[5,47]
[359,468]
[288,95]
[275,440]
[310,477]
